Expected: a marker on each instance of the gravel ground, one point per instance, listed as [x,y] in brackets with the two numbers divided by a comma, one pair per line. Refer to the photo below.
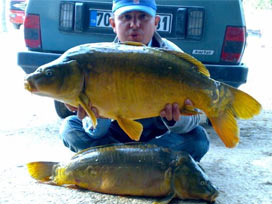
[29,132]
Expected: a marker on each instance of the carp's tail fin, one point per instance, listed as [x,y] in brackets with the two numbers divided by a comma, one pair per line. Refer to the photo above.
[242,106]
[41,171]
[226,127]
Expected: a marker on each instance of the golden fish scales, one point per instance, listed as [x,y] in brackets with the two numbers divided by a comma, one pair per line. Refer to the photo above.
[117,83]
[126,82]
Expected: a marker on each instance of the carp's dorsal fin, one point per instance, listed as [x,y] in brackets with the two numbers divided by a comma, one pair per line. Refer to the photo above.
[133,43]
[201,67]
[84,102]
[132,128]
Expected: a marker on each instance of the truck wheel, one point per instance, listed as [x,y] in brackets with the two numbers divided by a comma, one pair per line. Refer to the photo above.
[61,110]
[208,122]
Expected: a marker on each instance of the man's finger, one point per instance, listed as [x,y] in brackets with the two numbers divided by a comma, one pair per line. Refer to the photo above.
[163,114]
[81,112]
[168,110]
[175,112]
[188,102]
[95,112]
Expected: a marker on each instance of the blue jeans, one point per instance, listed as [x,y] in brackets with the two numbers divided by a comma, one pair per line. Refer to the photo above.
[195,142]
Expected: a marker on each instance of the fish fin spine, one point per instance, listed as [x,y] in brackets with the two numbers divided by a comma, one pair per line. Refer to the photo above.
[42,171]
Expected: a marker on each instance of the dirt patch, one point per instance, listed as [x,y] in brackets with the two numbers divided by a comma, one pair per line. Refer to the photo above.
[242,175]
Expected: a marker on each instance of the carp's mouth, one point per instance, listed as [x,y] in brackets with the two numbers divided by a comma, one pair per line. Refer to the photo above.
[29,86]
[213,197]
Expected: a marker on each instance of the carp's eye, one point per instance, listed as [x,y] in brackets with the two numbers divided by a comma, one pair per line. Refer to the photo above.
[202,183]
[48,72]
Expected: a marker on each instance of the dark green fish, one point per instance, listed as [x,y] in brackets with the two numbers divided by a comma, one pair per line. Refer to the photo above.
[130,169]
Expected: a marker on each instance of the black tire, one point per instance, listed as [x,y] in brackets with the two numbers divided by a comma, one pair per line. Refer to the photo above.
[61,110]
[208,122]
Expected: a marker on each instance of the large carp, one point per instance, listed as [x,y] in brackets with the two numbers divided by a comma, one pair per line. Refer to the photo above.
[130,81]
[131,169]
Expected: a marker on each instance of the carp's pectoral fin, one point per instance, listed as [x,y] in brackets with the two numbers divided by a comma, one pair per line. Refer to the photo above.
[132,128]
[84,102]
[226,127]
[166,199]
[168,179]
[189,110]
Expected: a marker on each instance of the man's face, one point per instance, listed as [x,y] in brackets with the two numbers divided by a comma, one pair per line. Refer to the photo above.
[134,26]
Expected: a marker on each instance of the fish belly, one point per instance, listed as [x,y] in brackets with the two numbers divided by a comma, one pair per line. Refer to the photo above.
[123,180]
[133,95]
[123,170]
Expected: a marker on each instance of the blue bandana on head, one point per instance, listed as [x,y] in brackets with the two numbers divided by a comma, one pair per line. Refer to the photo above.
[122,6]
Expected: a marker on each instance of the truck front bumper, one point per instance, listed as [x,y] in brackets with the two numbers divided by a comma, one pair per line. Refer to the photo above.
[29,61]
[234,75]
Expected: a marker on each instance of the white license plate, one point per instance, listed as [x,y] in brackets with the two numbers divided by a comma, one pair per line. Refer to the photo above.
[100,18]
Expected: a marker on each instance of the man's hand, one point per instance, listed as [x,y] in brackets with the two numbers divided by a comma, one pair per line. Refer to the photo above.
[81,113]
[172,111]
